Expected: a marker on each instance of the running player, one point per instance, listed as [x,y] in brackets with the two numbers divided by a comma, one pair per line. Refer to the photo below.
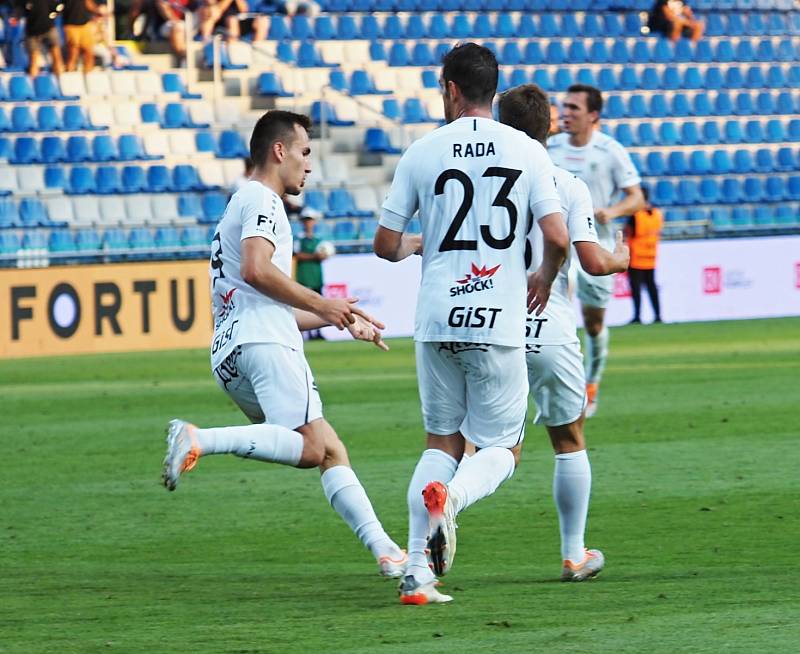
[555,364]
[614,183]
[474,182]
[257,349]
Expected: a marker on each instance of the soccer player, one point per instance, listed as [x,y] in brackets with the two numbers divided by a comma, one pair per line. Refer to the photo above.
[614,183]
[257,350]
[555,364]
[474,183]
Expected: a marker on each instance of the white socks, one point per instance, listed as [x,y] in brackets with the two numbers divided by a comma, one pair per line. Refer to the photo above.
[433,465]
[596,354]
[349,499]
[479,476]
[262,442]
[572,484]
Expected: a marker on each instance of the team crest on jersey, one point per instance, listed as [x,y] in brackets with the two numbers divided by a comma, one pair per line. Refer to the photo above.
[480,279]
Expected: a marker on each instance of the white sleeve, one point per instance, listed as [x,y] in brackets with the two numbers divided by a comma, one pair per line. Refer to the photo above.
[264,219]
[580,217]
[623,170]
[544,198]
[402,199]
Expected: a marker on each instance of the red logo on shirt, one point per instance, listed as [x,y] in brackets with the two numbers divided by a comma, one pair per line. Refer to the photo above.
[335,290]
[622,285]
[712,280]
[478,273]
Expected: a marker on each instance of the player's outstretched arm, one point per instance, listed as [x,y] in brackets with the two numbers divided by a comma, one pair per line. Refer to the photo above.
[396,246]
[258,270]
[556,243]
[597,261]
[629,205]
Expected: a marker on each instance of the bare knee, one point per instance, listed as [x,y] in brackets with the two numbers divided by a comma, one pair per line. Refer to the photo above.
[567,438]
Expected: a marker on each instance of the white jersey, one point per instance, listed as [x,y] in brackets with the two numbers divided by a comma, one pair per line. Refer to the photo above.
[475,182]
[556,325]
[605,166]
[241,313]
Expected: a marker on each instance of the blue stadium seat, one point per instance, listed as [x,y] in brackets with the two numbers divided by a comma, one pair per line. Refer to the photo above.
[213,206]
[741,218]
[777,129]
[510,55]
[592,25]
[724,52]
[721,218]
[45,88]
[32,213]
[699,163]
[20,89]
[755,24]
[651,80]
[158,179]
[639,163]
[398,54]
[167,238]
[533,54]
[74,118]
[300,27]
[714,79]
[721,162]
[346,28]
[743,162]
[26,151]
[78,149]
[130,148]
[232,145]
[641,52]
[563,79]
[785,215]
[482,27]
[504,26]
[430,80]
[746,53]
[548,25]
[278,30]
[624,134]
[541,77]
[785,160]
[176,117]
[646,134]
[676,163]
[663,193]
[784,104]
[629,79]
[437,27]
[774,188]
[667,133]
[615,107]
[133,179]
[690,133]
[692,79]
[104,148]
[520,76]
[711,133]
[655,163]
[393,27]
[680,105]
[55,178]
[753,131]
[321,109]
[269,85]
[341,204]
[337,80]
[314,199]
[527,26]
[708,191]
[34,240]
[61,240]
[776,79]
[22,119]
[141,238]
[189,206]
[81,180]
[53,150]
[185,178]
[285,52]
[701,105]
[793,187]
[598,52]
[703,53]
[204,141]
[733,132]
[613,25]
[415,112]
[684,51]
[107,180]
[377,140]
[173,83]
[764,105]
[391,109]
[47,119]
[735,24]
[5,123]
[687,192]
[753,189]
[786,50]
[150,113]
[569,25]
[637,107]
[555,54]
[421,55]
[755,78]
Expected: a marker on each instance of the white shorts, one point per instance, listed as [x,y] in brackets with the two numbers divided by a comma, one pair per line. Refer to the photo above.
[558,383]
[595,291]
[270,383]
[479,390]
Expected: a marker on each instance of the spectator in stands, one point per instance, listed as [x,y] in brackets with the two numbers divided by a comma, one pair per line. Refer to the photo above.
[174,27]
[41,33]
[224,14]
[80,33]
[308,269]
[643,230]
[103,48]
[673,19]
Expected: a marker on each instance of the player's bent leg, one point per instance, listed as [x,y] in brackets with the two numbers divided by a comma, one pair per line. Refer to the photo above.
[349,499]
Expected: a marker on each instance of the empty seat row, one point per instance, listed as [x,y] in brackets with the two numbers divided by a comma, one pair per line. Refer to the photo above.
[338,203]
[730,190]
[710,132]
[75,149]
[108,180]
[740,218]
[157,209]
[719,162]
[45,118]
[44,88]
[744,103]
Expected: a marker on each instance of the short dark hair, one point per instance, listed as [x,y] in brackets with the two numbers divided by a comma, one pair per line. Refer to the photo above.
[274,126]
[594,98]
[473,69]
[526,108]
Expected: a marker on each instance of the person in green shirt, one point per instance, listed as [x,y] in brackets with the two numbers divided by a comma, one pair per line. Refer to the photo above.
[308,270]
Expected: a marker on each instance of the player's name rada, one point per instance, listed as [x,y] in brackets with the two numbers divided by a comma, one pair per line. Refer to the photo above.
[478,149]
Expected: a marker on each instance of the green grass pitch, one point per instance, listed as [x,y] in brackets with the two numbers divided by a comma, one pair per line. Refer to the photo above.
[695,504]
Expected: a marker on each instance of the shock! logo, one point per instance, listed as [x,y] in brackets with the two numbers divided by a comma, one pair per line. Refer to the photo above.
[480,279]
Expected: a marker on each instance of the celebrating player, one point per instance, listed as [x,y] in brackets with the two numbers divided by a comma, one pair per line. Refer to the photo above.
[257,350]
[555,365]
[474,182]
[608,171]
